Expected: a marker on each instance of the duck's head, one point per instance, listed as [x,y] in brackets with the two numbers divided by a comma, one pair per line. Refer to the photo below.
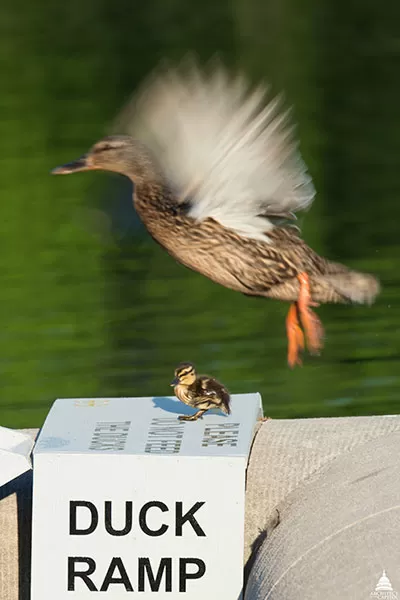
[118,153]
[185,374]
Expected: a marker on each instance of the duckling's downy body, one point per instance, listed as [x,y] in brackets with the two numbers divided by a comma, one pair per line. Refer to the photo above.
[217,184]
[200,392]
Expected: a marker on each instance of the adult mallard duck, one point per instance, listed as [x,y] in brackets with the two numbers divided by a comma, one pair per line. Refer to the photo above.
[218,178]
[199,391]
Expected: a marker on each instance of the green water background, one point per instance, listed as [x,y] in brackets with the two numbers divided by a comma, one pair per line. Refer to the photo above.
[90,305]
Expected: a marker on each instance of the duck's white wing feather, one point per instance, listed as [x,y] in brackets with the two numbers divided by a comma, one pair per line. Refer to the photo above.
[223,146]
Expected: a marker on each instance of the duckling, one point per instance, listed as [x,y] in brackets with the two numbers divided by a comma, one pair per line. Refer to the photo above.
[217,182]
[200,392]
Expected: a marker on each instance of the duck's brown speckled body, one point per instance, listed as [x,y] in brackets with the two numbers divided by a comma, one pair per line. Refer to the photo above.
[250,266]
[217,185]
[199,391]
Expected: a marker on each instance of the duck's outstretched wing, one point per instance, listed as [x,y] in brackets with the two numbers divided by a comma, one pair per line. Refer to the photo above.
[221,144]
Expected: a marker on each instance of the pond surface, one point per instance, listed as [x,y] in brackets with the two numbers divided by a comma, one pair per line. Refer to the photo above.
[91,306]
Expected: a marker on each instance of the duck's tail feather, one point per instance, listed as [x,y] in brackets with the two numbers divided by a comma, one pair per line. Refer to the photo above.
[353,286]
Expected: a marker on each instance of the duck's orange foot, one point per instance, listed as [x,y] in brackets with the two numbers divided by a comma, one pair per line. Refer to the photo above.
[295,337]
[312,325]
[301,317]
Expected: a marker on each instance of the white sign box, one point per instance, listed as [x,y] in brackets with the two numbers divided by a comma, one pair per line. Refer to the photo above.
[130,502]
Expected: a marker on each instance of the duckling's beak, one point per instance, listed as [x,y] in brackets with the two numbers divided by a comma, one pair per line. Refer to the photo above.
[175,381]
[81,164]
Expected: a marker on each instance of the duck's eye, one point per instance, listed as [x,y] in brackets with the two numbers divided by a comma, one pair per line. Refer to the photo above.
[103,148]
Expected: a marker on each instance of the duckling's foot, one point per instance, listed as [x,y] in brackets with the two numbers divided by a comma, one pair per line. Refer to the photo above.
[295,336]
[194,417]
[312,325]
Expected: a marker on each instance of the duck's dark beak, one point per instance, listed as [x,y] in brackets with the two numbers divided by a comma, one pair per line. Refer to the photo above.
[175,381]
[81,164]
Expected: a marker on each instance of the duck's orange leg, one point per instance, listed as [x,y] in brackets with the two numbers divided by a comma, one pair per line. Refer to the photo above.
[295,336]
[312,326]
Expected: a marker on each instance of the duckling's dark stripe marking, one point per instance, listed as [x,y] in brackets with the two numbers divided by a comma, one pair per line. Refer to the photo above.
[186,372]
